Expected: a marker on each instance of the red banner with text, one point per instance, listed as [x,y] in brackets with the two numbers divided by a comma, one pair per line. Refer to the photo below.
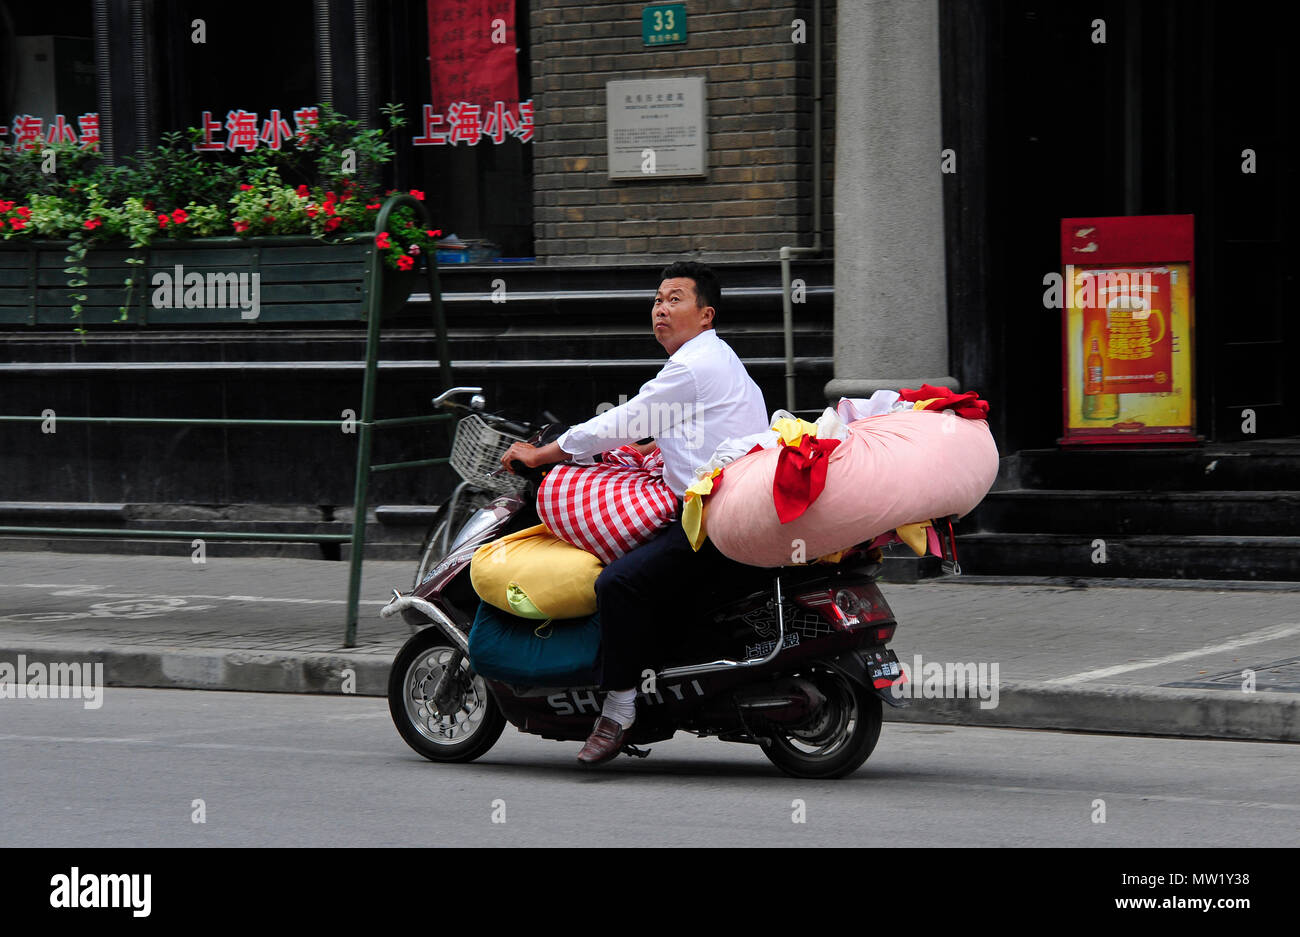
[472,54]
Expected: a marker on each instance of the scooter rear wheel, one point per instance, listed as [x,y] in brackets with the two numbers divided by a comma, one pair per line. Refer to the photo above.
[472,723]
[839,740]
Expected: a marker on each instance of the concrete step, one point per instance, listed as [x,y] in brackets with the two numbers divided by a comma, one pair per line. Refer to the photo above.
[1103,512]
[1262,466]
[546,341]
[396,532]
[1131,557]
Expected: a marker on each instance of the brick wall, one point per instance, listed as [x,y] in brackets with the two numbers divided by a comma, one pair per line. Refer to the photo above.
[757,195]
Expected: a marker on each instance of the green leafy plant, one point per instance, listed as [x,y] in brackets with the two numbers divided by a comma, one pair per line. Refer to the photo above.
[319,184]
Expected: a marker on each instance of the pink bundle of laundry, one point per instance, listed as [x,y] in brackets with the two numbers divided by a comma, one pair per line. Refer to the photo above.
[892,470]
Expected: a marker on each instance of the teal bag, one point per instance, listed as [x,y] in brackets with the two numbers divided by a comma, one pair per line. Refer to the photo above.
[524,652]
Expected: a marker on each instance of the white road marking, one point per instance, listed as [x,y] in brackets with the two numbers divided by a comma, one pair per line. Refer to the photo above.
[210,746]
[79,589]
[1255,637]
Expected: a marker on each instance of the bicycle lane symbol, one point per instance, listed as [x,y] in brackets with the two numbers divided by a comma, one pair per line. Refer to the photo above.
[134,608]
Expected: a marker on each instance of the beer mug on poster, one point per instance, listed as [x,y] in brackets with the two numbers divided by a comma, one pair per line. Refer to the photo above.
[1128,322]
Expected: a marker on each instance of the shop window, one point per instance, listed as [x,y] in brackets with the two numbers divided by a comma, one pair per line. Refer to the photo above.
[47,73]
[483,190]
[247,58]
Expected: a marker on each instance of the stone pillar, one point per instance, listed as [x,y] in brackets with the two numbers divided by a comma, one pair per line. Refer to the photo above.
[891,311]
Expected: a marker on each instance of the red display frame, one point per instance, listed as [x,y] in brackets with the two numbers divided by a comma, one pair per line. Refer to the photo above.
[1124,242]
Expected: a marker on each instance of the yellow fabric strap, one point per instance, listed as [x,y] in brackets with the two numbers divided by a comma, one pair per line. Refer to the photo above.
[922,404]
[793,431]
[693,509]
[914,536]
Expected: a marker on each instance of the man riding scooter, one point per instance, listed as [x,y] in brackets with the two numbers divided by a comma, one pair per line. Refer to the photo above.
[702,396]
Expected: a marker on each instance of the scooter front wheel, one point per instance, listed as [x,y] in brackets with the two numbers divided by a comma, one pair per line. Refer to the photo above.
[838,739]
[470,721]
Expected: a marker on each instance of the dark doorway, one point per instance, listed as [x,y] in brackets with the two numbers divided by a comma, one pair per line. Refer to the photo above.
[1152,120]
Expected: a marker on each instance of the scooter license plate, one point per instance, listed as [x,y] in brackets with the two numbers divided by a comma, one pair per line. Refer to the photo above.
[883,667]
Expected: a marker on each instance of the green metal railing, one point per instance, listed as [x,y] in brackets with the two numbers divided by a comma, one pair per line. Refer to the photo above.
[365,423]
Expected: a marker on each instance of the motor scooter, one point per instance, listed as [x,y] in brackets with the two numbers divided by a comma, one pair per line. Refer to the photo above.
[799,667]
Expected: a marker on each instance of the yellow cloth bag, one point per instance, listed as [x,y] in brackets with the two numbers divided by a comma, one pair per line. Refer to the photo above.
[534,574]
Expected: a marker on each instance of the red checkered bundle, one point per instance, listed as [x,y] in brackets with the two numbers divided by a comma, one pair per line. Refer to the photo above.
[608,508]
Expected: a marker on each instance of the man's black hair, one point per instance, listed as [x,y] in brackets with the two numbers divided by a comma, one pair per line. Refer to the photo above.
[708,292]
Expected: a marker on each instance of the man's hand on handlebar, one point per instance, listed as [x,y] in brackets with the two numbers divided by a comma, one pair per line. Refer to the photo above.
[532,456]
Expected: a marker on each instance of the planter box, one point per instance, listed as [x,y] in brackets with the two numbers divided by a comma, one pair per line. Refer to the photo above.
[300,280]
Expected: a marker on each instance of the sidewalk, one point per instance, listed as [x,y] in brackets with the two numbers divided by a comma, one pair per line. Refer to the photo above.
[1150,658]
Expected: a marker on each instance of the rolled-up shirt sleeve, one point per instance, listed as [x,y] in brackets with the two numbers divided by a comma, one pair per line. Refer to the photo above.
[665,400]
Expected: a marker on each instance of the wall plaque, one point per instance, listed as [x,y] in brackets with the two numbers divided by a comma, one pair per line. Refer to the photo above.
[655,128]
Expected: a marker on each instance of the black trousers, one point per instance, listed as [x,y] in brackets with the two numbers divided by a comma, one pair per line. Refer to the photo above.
[644,597]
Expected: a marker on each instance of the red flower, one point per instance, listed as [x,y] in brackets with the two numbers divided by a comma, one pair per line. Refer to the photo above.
[162,221]
[268,219]
[381,239]
[245,187]
[417,194]
[302,191]
[373,206]
[92,224]
[241,226]
[405,262]
[5,206]
[22,211]
[333,223]
[410,224]
[17,224]
[72,189]
[180,216]
[434,234]
[2,222]
[312,211]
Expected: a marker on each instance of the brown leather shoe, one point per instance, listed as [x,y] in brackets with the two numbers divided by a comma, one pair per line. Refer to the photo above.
[604,743]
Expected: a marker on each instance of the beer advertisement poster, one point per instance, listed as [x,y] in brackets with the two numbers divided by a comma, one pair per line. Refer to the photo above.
[1128,326]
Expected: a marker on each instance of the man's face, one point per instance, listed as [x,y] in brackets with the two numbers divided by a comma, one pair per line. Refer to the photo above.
[677,316]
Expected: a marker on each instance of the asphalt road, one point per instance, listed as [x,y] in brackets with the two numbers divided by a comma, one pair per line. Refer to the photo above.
[277,769]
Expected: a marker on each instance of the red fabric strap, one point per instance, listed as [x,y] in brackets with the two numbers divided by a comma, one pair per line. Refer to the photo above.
[800,476]
[967,405]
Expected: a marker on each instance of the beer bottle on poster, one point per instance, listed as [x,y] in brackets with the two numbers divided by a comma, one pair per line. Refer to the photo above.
[1096,404]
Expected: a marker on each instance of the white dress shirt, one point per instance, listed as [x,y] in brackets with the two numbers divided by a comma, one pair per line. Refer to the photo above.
[702,396]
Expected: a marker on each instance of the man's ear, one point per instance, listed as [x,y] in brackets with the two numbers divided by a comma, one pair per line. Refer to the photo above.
[707,316]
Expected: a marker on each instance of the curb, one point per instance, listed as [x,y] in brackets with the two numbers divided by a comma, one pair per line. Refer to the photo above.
[220,669]
[1127,710]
